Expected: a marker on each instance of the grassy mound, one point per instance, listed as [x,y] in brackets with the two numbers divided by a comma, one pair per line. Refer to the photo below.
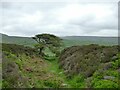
[22,68]
[92,65]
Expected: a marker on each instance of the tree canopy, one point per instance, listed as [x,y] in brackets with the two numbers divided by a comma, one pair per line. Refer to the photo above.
[47,40]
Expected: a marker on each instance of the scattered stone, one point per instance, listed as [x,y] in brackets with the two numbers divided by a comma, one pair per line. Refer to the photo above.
[64,85]
[114,57]
[109,77]
[119,70]
[60,72]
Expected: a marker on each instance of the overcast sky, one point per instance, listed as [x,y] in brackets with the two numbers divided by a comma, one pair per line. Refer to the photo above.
[59,18]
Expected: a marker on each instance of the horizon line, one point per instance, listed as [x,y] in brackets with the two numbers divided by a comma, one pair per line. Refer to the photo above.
[64,36]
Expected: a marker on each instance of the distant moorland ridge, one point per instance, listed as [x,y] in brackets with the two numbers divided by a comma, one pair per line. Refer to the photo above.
[68,40]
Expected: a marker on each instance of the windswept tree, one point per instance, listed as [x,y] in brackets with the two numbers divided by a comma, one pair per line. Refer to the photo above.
[47,40]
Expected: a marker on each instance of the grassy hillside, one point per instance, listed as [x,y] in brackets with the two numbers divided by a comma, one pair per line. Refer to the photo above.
[91,66]
[86,40]
[82,66]
[27,70]
[27,41]
[68,40]
[23,68]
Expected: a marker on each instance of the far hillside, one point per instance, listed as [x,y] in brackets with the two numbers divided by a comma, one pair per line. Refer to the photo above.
[86,40]
[27,41]
[68,40]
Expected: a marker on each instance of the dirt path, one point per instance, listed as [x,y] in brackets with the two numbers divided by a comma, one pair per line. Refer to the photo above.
[42,73]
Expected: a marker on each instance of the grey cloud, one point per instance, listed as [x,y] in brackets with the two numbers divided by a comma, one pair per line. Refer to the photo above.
[87,25]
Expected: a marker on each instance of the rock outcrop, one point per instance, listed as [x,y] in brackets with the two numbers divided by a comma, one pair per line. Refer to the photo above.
[86,59]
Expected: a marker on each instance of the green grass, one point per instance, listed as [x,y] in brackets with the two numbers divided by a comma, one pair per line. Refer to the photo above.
[45,73]
[37,72]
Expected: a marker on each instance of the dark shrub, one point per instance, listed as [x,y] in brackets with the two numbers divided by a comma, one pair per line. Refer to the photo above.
[86,59]
[10,74]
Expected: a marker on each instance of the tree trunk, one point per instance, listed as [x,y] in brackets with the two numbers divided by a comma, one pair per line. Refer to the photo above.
[40,50]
